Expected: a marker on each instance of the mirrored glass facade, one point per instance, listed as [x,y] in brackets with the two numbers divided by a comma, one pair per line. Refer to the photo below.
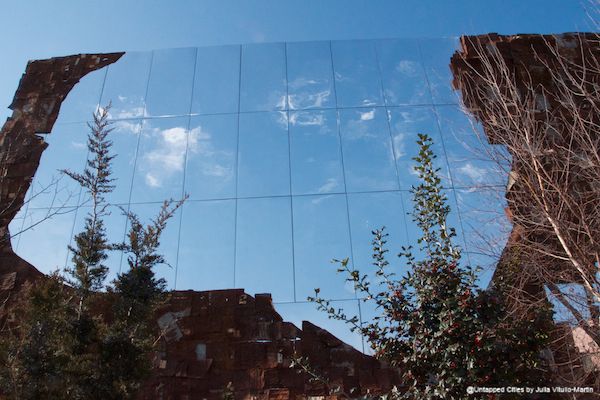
[291,154]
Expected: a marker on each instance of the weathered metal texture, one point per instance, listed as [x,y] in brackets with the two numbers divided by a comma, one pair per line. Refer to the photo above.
[215,338]
[36,104]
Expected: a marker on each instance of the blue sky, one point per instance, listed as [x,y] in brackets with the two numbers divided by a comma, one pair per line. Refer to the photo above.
[39,29]
[334,202]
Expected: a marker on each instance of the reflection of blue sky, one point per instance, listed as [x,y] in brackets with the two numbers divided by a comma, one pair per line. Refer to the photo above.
[126,83]
[216,80]
[171,81]
[357,79]
[574,293]
[310,75]
[263,74]
[316,161]
[211,157]
[274,193]
[367,150]
[320,234]
[161,159]
[403,76]
[211,264]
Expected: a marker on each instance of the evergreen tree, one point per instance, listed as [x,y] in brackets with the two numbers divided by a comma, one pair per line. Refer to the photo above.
[440,331]
[35,349]
[136,295]
[90,251]
[91,245]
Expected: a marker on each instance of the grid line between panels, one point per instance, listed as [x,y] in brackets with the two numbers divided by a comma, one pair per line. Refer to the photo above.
[185,158]
[439,127]
[137,150]
[289,148]
[80,189]
[237,170]
[159,117]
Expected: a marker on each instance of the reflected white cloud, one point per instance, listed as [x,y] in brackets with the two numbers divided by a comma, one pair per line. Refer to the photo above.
[307,119]
[399,145]
[151,180]
[281,100]
[217,171]
[168,155]
[357,129]
[123,111]
[213,162]
[127,126]
[318,199]
[473,172]
[302,82]
[306,93]
[309,100]
[133,112]
[78,145]
[412,170]
[406,67]
[367,116]
[328,186]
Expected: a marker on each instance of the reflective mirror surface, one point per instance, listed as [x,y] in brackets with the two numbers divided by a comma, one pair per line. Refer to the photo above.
[291,154]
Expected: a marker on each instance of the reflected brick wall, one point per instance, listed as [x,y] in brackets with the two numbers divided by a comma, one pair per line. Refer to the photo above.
[214,338]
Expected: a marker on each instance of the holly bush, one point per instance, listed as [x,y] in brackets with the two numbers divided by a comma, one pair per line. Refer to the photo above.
[434,324]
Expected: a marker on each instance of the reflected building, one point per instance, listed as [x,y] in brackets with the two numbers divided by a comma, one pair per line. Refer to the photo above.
[291,154]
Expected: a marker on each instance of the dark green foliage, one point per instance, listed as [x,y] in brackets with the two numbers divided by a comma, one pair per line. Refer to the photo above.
[434,324]
[137,293]
[38,348]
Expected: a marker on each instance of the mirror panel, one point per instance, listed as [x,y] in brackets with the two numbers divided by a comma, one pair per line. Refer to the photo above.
[357,78]
[171,82]
[160,162]
[298,312]
[367,150]
[436,55]
[263,158]
[211,157]
[264,247]
[216,82]
[310,76]
[471,158]
[126,84]
[45,243]
[82,101]
[402,72]
[125,137]
[206,248]
[316,160]
[263,85]
[320,235]
[67,150]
